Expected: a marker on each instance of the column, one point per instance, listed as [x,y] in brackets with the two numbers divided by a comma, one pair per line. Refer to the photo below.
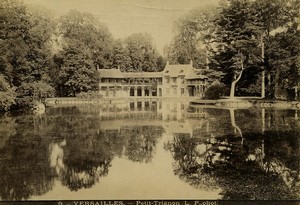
[135,105]
[135,91]
[143,91]
[143,105]
[107,91]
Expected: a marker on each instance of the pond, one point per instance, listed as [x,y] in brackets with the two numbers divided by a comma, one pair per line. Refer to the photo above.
[150,150]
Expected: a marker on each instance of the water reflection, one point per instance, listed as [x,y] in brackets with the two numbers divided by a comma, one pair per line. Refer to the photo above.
[238,154]
[24,166]
[249,162]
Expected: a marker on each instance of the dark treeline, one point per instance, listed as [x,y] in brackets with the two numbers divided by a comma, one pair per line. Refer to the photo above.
[246,44]
[242,37]
[42,56]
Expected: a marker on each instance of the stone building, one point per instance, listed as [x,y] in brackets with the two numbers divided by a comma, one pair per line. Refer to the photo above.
[173,82]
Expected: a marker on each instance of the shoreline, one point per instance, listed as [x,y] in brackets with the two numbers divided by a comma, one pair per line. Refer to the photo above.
[227,103]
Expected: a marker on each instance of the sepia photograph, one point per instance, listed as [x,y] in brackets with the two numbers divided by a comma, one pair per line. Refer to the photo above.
[149,102]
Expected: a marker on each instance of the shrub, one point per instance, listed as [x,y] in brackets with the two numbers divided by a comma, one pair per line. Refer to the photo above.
[215,91]
[35,91]
[7,95]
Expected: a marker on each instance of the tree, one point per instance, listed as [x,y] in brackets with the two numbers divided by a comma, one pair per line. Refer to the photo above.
[236,47]
[86,48]
[25,33]
[7,94]
[94,35]
[193,38]
[77,72]
[284,61]
[273,17]
[120,57]
[142,54]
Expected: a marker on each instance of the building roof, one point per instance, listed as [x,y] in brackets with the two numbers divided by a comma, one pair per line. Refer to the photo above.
[186,70]
[110,73]
[117,73]
[143,75]
[176,70]
[195,74]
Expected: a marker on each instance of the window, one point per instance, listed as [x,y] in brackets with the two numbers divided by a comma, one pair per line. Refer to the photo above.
[182,91]
[174,80]
[175,91]
[167,79]
[182,80]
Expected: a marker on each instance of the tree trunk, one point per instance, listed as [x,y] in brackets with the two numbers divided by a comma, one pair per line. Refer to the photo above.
[233,83]
[232,89]
[263,83]
[263,120]
[270,90]
[206,57]
[276,84]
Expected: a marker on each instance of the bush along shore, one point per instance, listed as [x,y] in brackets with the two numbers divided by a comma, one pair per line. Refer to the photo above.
[247,103]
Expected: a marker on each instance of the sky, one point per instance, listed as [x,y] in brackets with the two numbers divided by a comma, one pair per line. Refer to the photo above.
[125,17]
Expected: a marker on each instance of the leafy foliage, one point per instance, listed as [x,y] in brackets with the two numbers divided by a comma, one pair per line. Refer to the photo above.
[7,94]
[215,91]
[245,29]
[263,33]
[193,38]
[25,36]
[141,54]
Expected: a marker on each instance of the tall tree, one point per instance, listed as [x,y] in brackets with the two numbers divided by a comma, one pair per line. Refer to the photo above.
[284,63]
[84,27]
[273,17]
[86,48]
[142,54]
[25,33]
[120,57]
[77,73]
[193,38]
[236,47]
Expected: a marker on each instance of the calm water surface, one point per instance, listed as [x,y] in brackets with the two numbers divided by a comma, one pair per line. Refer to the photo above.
[150,150]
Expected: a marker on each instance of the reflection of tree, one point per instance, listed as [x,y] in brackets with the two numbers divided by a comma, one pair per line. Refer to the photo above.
[7,129]
[87,152]
[24,165]
[283,156]
[234,125]
[264,166]
[85,160]
[191,158]
[242,177]
[141,141]
[67,143]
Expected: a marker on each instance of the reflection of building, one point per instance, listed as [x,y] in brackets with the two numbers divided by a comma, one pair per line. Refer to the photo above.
[173,81]
[174,115]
